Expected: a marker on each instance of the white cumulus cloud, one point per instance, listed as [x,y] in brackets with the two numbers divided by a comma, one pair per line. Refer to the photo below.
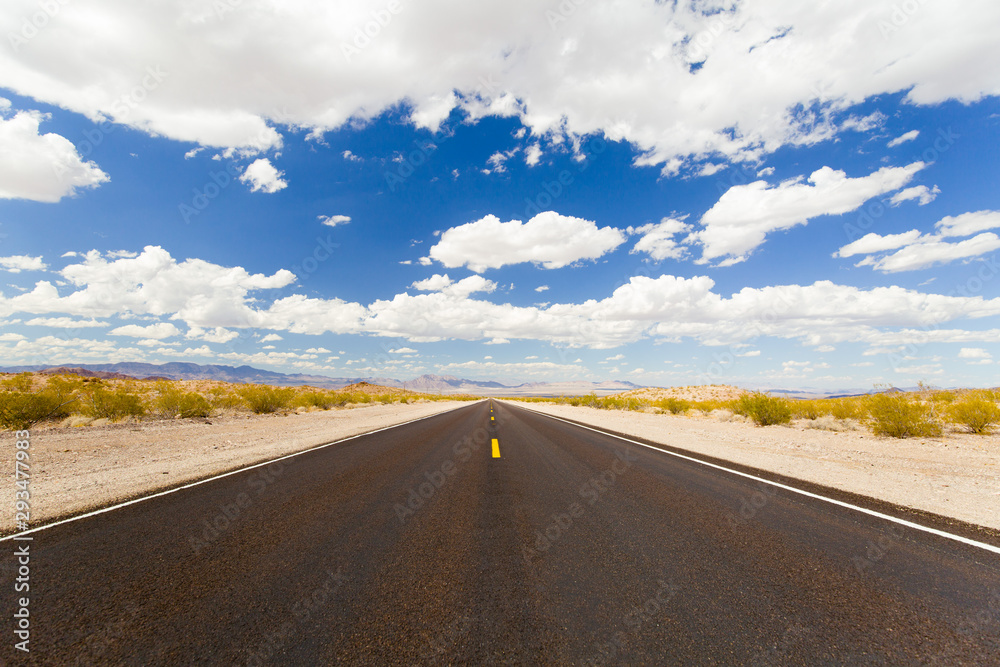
[903,138]
[262,176]
[658,239]
[921,193]
[915,250]
[154,283]
[743,217]
[157,331]
[334,220]
[41,167]
[65,323]
[548,239]
[18,263]
[731,79]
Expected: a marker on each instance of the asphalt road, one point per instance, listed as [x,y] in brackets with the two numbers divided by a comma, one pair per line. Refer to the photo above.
[428,544]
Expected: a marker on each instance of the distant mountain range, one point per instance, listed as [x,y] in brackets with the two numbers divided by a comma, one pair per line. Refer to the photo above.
[432,384]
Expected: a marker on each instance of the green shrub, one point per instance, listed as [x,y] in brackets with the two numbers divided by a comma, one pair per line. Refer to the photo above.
[111,404]
[763,409]
[263,399]
[976,410]
[898,416]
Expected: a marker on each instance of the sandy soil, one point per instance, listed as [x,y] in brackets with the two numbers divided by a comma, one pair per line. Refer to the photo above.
[78,469]
[957,475]
[714,392]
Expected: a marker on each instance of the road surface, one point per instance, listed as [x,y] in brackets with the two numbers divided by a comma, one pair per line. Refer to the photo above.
[493,534]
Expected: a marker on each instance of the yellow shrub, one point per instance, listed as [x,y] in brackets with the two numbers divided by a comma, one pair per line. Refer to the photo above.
[899,416]
[263,399]
[113,404]
[976,410]
[763,409]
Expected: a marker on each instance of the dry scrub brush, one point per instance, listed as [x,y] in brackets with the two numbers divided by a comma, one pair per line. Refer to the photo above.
[897,415]
[763,409]
[976,410]
[22,405]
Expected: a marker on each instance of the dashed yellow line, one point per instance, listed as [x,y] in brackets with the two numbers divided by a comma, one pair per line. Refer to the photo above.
[496,448]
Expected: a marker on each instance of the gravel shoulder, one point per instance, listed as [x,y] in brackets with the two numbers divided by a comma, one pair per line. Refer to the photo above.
[74,470]
[956,475]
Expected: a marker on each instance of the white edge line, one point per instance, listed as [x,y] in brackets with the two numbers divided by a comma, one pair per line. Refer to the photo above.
[220,476]
[880,515]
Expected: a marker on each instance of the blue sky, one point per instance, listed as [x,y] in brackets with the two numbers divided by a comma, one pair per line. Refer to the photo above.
[753,193]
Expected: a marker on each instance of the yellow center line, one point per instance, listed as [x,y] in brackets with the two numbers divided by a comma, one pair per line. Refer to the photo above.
[496,448]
